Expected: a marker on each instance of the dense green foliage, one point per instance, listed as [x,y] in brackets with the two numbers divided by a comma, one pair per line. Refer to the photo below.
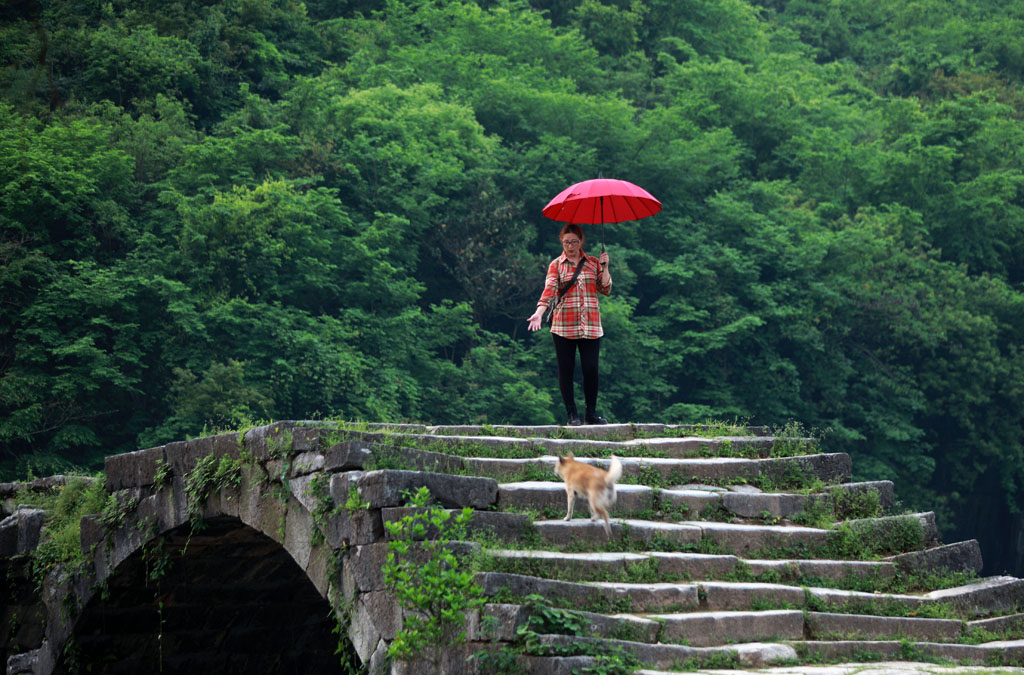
[233,209]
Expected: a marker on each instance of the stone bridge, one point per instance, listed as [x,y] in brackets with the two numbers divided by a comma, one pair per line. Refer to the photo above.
[263,551]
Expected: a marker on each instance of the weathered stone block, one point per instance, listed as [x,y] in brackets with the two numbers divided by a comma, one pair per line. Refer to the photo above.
[504,526]
[964,556]
[831,468]
[984,598]
[271,440]
[171,505]
[695,565]
[347,456]
[703,629]
[342,485]
[745,539]
[306,463]
[383,611]
[387,488]
[321,563]
[354,528]
[828,626]
[779,505]
[365,566]
[561,533]
[725,596]
[132,469]
[362,631]
[298,533]
[759,655]
[21,531]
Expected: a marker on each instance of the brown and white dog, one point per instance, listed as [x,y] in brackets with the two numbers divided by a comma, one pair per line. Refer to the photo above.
[592,482]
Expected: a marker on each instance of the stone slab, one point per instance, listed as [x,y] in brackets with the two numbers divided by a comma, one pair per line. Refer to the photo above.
[638,597]
[694,565]
[736,596]
[585,565]
[994,595]
[347,456]
[132,469]
[964,556]
[1000,624]
[828,626]
[778,505]
[503,526]
[20,532]
[705,629]
[693,502]
[387,488]
[562,533]
[830,467]
[827,570]
[743,540]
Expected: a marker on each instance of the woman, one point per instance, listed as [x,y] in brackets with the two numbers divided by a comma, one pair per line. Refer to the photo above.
[577,319]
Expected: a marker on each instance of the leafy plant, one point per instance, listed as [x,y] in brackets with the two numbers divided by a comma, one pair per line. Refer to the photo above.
[427,581]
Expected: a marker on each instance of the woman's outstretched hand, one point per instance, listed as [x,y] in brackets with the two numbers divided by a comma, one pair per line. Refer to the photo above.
[535,318]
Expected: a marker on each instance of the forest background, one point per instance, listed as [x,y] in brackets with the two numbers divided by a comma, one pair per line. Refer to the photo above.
[221,210]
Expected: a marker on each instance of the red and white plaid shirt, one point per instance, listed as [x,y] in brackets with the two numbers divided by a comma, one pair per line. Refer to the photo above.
[577,315]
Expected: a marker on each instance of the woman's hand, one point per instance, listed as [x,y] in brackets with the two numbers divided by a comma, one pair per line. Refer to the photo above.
[603,259]
[535,318]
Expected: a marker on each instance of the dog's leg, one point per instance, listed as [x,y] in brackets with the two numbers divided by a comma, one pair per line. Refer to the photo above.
[571,498]
[598,509]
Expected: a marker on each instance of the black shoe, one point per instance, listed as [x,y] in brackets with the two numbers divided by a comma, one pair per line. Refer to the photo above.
[594,418]
[574,419]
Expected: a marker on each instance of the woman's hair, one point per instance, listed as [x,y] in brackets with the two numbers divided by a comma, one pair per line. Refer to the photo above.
[572,228]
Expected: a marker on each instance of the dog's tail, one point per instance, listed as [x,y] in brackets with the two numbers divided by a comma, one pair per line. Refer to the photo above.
[614,472]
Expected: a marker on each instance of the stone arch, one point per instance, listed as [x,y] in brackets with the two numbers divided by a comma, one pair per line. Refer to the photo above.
[225,598]
[261,509]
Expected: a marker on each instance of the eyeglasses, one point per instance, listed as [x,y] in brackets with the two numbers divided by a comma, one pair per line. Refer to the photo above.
[570,242]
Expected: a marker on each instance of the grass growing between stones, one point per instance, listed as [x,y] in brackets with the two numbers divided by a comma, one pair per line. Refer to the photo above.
[65,506]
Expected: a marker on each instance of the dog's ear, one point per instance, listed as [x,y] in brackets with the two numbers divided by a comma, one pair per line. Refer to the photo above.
[561,460]
[570,456]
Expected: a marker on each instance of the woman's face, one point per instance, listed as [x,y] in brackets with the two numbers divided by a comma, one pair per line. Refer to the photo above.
[571,244]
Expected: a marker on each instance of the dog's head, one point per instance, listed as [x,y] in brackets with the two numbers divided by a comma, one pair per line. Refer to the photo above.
[562,461]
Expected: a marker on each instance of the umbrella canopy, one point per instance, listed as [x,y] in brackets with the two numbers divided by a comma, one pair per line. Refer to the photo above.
[601,200]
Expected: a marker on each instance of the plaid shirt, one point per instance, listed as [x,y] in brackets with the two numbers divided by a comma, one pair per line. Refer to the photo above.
[577,315]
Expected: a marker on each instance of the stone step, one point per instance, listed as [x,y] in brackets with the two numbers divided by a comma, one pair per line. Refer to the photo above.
[669,566]
[751,655]
[615,566]
[580,534]
[963,556]
[987,597]
[996,653]
[830,626]
[820,572]
[983,598]
[831,468]
[615,597]
[705,629]
[509,448]
[783,505]
[742,540]
[1012,624]
[714,596]
[626,431]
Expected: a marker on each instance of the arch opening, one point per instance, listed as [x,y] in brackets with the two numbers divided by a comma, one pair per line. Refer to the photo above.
[224,599]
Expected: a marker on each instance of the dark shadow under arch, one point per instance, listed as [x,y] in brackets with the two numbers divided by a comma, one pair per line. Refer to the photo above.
[226,599]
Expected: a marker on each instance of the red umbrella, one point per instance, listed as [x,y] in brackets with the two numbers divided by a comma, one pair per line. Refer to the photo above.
[602,200]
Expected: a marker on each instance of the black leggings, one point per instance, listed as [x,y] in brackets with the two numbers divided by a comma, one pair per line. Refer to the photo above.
[565,351]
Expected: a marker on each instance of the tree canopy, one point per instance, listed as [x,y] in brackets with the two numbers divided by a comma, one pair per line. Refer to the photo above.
[249,209]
